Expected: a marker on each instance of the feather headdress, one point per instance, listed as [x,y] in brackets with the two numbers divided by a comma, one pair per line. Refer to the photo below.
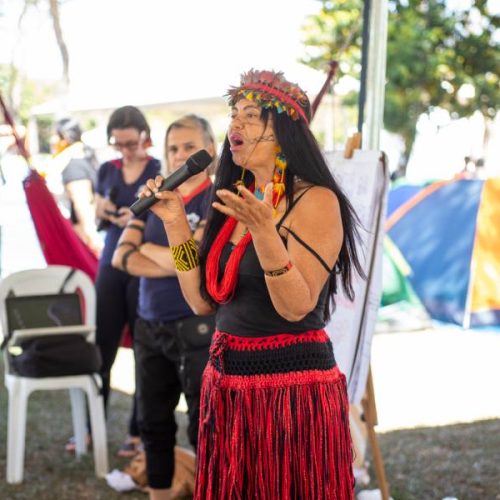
[270,89]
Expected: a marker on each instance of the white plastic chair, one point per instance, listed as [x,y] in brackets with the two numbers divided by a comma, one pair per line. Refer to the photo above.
[43,282]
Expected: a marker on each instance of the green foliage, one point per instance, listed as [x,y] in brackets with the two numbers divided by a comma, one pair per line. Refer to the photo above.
[436,57]
[21,93]
[335,33]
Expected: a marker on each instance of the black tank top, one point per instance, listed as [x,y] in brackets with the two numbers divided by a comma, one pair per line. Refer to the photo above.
[250,313]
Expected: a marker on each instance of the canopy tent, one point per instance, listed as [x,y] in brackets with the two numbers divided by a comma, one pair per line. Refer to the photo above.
[449,235]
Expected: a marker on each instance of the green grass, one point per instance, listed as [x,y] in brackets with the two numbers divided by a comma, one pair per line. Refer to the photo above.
[430,463]
[50,473]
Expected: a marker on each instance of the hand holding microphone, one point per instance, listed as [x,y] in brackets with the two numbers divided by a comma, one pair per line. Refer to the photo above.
[194,165]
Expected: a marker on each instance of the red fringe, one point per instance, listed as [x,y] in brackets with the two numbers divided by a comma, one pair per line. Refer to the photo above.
[274,437]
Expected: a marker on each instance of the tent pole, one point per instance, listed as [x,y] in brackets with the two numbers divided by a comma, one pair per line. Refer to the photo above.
[468,298]
[376,74]
[364,63]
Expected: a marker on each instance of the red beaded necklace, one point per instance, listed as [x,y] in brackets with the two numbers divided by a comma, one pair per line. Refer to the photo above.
[222,291]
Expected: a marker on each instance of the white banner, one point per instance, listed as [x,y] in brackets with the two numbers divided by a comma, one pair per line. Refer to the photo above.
[364,179]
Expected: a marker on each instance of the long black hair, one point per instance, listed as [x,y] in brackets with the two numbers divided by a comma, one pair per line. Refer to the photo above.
[306,162]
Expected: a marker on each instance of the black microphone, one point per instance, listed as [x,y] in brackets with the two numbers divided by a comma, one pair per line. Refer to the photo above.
[194,165]
[112,197]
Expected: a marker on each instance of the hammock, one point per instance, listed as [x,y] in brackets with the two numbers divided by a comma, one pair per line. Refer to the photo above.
[60,244]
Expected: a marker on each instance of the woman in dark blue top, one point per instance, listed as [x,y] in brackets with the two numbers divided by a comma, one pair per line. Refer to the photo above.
[274,420]
[171,344]
[118,184]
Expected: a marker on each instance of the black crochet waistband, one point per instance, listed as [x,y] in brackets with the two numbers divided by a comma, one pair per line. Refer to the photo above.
[290,358]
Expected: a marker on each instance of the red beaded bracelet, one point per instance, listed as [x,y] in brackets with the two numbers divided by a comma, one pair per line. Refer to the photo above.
[279,272]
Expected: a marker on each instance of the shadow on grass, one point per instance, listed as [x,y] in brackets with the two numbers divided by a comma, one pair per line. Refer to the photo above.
[430,463]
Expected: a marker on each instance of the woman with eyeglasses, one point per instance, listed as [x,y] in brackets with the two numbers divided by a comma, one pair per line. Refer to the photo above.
[118,184]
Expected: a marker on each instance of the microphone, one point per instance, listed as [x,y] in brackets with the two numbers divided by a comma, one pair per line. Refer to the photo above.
[112,197]
[194,165]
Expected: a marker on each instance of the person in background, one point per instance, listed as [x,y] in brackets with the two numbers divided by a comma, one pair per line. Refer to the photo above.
[78,165]
[171,343]
[118,183]
[280,237]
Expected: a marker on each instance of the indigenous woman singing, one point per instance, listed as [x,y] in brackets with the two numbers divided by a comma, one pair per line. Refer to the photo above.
[274,410]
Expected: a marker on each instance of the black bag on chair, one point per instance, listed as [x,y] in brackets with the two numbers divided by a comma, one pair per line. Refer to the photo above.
[55,355]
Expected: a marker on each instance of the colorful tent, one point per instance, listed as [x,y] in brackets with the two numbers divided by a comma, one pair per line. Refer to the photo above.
[449,235]
[396,287]
[399,195]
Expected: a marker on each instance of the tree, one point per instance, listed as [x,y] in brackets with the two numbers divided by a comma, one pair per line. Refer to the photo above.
[436,57]
[12,81]
[30,92]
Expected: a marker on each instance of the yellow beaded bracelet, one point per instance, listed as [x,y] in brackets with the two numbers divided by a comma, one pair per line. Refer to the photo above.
[186,255]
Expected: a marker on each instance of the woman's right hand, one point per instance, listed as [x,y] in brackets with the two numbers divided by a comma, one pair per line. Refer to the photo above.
[169,208]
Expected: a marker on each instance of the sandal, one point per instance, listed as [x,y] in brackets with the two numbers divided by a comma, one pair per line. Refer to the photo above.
[70,445]
[130,447]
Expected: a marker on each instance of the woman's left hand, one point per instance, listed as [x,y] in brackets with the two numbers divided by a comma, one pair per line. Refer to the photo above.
[246,208]
[125,214]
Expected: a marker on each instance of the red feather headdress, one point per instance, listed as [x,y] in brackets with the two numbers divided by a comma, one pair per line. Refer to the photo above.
[270,89]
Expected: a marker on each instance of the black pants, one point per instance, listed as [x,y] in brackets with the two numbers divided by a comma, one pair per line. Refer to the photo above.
[165,367]
[117,294]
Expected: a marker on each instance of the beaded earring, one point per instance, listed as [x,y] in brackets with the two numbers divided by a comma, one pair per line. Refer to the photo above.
[279,187]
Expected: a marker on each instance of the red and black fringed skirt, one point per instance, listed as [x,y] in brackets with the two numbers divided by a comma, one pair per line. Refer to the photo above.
[274,421]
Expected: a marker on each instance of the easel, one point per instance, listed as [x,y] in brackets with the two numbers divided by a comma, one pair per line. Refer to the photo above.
[371,420]
[368,401]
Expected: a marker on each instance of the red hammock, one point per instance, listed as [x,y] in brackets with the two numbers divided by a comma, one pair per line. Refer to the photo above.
[60,244]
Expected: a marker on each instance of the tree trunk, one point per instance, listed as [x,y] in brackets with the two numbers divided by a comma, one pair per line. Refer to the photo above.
[12,87]
[54,12]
